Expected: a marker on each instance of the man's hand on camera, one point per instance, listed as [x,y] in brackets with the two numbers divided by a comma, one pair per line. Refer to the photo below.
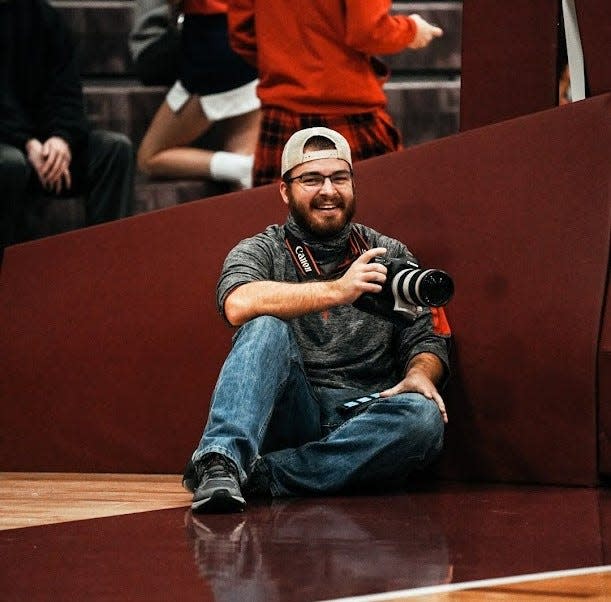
[361,277]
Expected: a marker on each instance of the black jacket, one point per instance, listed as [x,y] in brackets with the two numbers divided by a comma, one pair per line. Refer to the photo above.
[40,88]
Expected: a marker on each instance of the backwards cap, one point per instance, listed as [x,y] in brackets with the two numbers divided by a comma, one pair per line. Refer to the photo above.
[293,153]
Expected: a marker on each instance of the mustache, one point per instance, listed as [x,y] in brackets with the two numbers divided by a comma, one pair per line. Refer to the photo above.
[337,201]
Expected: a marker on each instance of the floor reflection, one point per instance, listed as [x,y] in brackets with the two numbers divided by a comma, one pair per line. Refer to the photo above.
[311,549]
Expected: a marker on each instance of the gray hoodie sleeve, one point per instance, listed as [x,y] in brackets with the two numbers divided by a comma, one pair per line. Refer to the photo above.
[260,257]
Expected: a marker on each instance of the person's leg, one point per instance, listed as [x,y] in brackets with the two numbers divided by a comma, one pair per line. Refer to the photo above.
[15,173]
[378,447]
[239,138]
[165,152]
[240,133]
[109,183]
[261,398]
[261,401]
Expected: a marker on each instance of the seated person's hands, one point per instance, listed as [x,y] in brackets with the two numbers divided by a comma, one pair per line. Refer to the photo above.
[51,161]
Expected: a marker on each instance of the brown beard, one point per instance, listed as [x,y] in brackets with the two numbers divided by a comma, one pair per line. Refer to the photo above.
[303,220]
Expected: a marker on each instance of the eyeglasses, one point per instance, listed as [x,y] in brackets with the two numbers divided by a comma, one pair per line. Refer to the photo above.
[313,180]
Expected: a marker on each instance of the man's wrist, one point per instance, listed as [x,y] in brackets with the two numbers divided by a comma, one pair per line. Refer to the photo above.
[427,364]
[332,293]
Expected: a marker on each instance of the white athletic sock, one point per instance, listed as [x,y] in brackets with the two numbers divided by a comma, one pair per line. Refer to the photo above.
[232,167]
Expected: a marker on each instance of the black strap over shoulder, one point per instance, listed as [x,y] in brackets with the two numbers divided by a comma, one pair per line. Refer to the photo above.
[306,265]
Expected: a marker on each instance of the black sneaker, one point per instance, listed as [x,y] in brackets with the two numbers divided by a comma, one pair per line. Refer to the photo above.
[189,477]
[219,487]
[258,485]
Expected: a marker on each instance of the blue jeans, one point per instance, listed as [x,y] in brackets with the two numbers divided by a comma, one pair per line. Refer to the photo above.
[265,412]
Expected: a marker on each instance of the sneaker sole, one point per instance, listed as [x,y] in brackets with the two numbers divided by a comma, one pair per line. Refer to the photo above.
[220,501]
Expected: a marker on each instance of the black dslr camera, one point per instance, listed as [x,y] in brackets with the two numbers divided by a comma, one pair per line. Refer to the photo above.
[407,290]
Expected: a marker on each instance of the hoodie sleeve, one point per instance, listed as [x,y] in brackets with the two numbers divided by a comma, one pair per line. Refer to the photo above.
[371,29]
[61,110]
[241,19]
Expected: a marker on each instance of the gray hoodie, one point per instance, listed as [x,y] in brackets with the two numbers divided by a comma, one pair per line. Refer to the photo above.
[343,347]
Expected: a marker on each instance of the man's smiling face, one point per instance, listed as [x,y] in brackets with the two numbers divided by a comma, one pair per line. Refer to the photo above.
[323,209]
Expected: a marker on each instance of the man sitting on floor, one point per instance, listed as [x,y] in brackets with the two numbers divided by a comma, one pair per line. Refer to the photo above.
[274,426]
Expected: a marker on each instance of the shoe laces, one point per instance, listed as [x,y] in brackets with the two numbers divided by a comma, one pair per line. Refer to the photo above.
[218,466]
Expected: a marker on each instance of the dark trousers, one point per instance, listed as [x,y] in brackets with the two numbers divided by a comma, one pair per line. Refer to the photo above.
[103,176]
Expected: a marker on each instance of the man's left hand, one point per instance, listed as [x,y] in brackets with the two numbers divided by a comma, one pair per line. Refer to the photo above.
[417,381]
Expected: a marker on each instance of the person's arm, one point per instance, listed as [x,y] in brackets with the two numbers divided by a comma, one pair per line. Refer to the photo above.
[424,372]
[422,348]
[61,109]
[287,300]
[242,37]
[370,28]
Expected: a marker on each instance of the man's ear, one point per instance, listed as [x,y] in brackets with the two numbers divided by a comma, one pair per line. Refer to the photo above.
[284,192]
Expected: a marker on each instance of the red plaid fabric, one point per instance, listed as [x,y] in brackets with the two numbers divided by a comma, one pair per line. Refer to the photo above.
[369,135]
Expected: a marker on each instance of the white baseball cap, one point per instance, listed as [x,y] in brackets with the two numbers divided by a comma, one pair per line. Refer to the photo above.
[293,153]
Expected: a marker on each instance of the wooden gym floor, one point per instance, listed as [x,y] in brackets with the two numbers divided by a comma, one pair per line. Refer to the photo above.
[132,537]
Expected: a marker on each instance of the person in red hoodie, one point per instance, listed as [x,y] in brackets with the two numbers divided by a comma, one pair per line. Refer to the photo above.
[215,87]
[318,66]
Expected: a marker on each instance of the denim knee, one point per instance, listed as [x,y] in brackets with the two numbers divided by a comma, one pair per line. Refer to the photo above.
[271,339]
[267,330]
[425,425]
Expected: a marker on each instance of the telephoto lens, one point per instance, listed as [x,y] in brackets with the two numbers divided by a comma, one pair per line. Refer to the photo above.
[430,288]
[407,290]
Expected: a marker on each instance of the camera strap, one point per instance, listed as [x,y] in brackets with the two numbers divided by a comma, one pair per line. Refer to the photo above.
[307,266]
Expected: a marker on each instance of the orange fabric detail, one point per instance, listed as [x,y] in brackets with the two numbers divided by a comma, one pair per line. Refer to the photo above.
[204,7]
[441,326]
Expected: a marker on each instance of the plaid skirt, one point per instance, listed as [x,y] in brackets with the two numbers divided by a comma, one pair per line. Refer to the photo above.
[368,134]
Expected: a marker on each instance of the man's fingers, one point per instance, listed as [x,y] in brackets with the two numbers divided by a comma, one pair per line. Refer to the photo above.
[390,392]
[370,276]
[429,393]
[53,169]
[444,414]
[368,255]
[425,32]
[440,404]
[373,270]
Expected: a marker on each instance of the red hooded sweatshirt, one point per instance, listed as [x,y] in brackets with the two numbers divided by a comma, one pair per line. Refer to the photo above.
[315,56]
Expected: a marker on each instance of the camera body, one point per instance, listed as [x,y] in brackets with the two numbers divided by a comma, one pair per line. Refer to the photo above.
[407,291]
